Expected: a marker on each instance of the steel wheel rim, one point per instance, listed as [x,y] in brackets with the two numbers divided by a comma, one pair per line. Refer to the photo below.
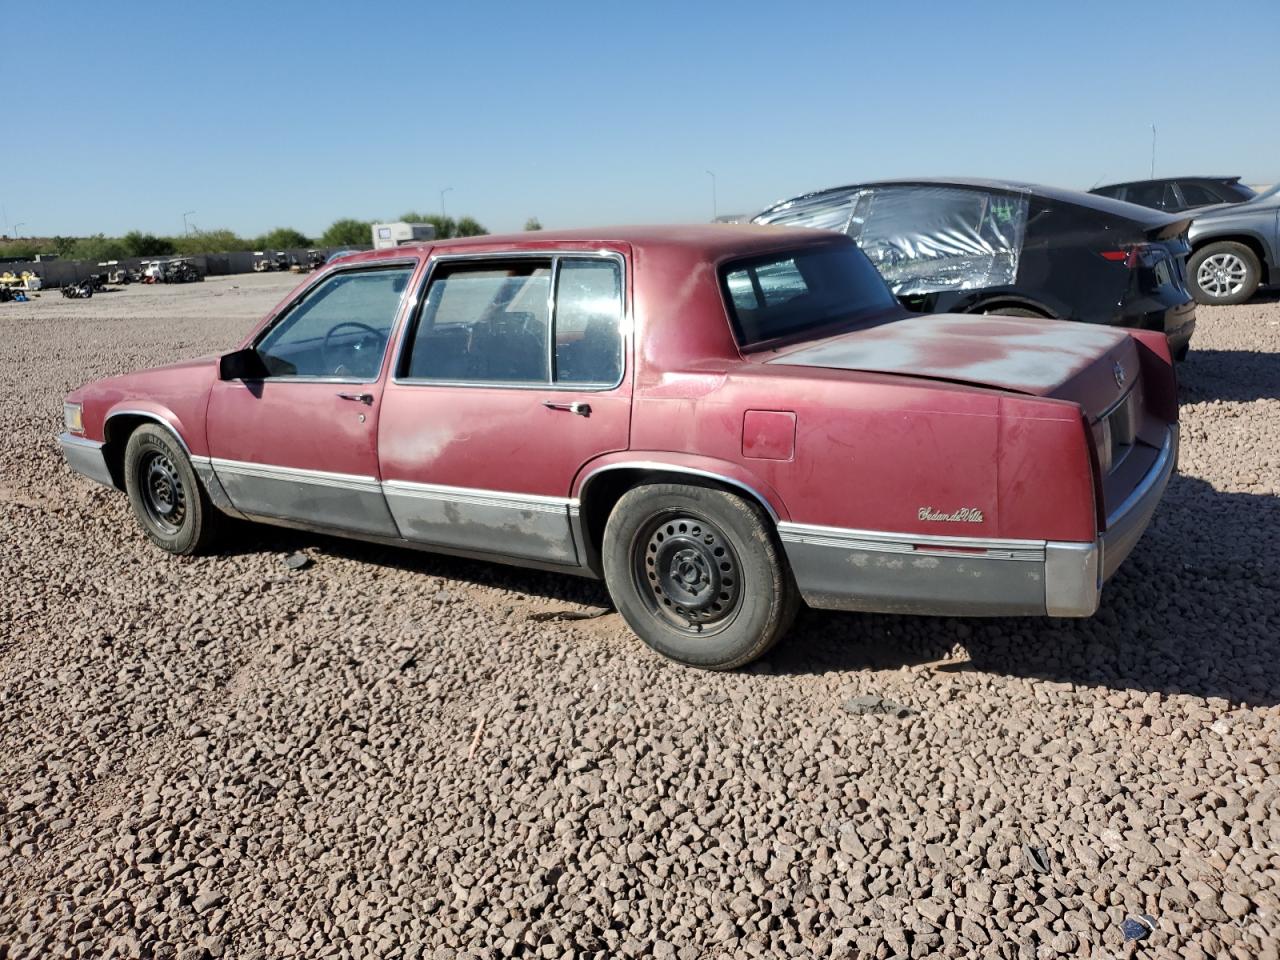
[1222,275]
[688,573]
[163,496]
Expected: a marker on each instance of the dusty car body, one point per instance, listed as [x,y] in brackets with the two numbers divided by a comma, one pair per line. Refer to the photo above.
[994,246]
[718,420]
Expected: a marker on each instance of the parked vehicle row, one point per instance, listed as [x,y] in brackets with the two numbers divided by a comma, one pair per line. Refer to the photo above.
[985,246]
[719,421]
[1234,238]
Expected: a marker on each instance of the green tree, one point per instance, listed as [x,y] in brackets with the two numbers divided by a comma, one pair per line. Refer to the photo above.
[146,244]
[23,249]
[96,248]
[469,227]
[348,233]
[533,223]
[281,238]
[209,241]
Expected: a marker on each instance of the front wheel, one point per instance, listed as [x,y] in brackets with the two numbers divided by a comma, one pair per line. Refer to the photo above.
[1224,273]
[165,494]
[698,574]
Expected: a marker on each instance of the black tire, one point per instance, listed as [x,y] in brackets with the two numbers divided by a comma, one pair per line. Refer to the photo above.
[1223,273]
[715,591]
[165,493]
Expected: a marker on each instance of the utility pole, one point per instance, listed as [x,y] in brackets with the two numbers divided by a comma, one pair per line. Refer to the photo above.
[20,223]
[442,193]
[186,230]
[715,212]
[1153,151]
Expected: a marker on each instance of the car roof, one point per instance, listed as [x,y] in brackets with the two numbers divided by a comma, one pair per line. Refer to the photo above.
[1135,183]
[1115,208]
[711,241]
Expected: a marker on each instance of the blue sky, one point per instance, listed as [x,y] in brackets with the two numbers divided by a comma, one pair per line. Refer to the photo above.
[257,115]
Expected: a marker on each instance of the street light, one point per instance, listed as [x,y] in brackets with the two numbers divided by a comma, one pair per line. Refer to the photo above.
[20,223]
[714,210]
[186,230]
[442,193]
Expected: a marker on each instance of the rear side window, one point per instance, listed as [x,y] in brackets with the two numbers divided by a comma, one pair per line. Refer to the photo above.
[786,294]
[588,322]
[1160,196]
[926,239]
[487,322]
[1198,195]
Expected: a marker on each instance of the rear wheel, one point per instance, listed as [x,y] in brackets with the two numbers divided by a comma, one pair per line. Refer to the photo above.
[698,574]
[165,494]
[1224,273]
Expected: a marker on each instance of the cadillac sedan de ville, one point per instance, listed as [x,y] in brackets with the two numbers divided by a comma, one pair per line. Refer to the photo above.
[720,421]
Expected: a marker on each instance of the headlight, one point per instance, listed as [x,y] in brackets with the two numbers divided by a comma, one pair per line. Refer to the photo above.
[72,417]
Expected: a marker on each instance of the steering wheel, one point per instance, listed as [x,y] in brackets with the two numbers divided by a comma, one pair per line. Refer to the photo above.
[325,347]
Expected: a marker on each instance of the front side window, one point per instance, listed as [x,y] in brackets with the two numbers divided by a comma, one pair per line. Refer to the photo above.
[487,322]
[340,327]
[788,294]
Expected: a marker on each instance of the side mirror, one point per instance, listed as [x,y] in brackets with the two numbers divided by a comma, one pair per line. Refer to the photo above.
[241,365]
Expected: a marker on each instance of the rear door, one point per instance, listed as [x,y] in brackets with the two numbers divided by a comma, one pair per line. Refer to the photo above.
[513,375]
[299,443]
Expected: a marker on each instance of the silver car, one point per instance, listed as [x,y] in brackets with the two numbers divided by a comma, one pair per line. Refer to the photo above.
[1235,248]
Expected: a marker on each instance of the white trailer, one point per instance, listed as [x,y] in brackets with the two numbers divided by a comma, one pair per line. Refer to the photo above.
[386,235]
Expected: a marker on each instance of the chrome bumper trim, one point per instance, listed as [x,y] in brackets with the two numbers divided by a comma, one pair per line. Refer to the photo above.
[878,572]
[1129,521]
[86,458]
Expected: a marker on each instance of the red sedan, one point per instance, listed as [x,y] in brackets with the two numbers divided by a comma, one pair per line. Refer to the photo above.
[720,421]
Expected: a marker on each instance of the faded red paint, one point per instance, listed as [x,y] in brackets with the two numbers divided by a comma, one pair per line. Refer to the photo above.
[861,430]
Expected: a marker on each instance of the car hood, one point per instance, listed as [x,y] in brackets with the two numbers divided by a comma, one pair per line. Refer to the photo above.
[1084,363]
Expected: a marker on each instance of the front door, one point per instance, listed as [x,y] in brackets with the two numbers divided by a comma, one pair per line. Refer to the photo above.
[511,379]
[299,443]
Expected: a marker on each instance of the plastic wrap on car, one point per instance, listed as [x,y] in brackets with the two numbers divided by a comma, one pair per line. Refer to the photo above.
[923,239]
[823,211]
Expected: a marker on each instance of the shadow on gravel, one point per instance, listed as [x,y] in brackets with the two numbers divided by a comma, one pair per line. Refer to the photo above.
[260,538]
[1233,375]
[1195,610]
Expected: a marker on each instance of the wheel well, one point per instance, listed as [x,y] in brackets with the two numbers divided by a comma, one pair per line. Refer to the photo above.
[115,434]
[602,492]
[1244,240]
[986,305]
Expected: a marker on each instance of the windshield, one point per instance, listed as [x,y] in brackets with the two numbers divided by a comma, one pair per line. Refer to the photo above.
[784,294]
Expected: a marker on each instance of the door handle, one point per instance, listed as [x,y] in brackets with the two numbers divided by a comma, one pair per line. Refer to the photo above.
[581,409]
[357,397]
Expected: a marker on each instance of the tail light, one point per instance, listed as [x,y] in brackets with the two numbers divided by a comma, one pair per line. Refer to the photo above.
[1091,441]
[1133,256]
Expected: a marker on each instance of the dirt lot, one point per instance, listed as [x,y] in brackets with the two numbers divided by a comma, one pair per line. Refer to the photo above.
[389,754]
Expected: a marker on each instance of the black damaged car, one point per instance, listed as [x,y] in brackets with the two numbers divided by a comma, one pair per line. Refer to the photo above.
[986,246]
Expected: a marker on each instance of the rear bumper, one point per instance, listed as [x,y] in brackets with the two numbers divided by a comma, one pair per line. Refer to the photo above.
[86,458]
[874,572]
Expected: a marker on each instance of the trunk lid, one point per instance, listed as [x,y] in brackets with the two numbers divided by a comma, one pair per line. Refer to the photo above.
[1087,364]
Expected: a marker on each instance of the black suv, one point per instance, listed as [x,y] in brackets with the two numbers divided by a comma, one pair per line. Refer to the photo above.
[1178,193]
[986,246]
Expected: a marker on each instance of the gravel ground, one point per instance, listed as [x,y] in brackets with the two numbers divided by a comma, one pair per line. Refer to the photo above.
[389,754]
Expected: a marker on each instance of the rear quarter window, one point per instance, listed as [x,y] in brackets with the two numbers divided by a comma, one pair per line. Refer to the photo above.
[785,295]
